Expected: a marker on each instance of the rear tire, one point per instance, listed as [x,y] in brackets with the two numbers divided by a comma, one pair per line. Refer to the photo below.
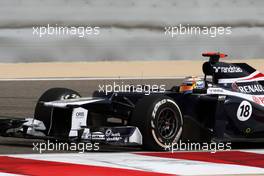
[159,119]
[43,113]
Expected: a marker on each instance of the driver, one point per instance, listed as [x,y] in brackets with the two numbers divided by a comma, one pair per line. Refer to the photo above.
[190,83]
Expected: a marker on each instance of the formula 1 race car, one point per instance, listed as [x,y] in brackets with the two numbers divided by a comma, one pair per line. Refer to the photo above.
[226,105]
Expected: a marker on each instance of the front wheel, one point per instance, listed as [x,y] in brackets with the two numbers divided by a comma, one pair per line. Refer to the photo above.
[44,113]
[160,121]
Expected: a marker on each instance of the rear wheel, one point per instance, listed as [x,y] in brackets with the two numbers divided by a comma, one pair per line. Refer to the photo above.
[44,113]
[159,119]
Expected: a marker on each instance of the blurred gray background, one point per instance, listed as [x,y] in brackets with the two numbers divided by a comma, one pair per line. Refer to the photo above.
[129,29]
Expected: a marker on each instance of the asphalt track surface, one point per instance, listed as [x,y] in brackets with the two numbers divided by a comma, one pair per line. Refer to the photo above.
[18,99]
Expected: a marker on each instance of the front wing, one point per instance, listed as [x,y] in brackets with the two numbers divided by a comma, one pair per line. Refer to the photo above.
[34,129]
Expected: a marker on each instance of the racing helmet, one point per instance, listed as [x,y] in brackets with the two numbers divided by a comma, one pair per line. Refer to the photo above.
[190,83]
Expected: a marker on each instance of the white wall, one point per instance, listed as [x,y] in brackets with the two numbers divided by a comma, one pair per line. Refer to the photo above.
[131,29]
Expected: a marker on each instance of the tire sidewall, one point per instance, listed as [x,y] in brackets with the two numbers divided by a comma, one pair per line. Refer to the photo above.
[158,106]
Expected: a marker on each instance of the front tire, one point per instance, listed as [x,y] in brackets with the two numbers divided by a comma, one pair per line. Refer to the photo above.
[44,113]
[160,121]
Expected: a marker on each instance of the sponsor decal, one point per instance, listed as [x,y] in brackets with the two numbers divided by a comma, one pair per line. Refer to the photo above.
[98,136]
[221,97]
[86,134]
[215,90]
[255,88]
[110,136]
[108,132]
[157,107]
[230,69]
[80,114]
[234,86]
[258,100]
[79,119]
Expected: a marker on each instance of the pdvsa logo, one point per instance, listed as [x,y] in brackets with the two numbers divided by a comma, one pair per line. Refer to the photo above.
[258,100]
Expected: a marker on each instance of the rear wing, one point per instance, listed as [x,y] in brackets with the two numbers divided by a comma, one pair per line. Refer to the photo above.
[223,71]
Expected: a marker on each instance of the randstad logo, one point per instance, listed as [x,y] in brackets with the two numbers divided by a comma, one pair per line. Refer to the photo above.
[230,69]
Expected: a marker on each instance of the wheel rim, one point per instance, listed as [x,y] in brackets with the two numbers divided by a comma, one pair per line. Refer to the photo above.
[167,123]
